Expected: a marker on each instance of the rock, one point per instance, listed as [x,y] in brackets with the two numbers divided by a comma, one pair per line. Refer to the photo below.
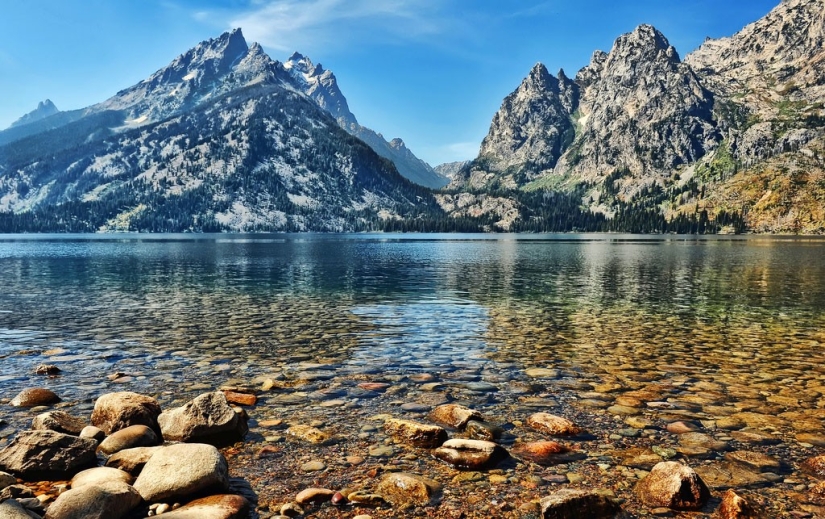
[544,453]
[673,485]
[309,434]
[755,460]
[116,411]
[182,469]
[234,397]
[314,495]
[291,510]
[541,372]
[100,475]
[453,416]
[476,430]
[683,427]
[734,507]
[313,466]
[128,438]
[46,369]
[16,492]
[110,500]
[470,454]
[206,419]
[724,475]
[814,466]
[131,460]
[817,440]
[698,444]
[624,410]
[570,503]
[553,425]
[414,433]
[224,506]
[44,454]
[58,421]
[6,480]
[11,509]
[90,431]
[754,437]
[399,489]
[34,397]
[374,386]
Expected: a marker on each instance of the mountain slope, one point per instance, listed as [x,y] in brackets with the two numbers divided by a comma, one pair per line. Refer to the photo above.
[322,86]
[221,139]
[44,109]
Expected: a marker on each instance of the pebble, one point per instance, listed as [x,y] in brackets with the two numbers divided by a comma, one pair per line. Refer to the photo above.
[313,466]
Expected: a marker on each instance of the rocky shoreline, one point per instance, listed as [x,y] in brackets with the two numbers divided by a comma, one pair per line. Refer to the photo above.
[222,456]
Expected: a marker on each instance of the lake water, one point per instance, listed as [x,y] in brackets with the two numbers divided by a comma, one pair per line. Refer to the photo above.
[724,330]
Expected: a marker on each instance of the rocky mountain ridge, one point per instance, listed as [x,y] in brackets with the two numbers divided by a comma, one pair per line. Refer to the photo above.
[44,109]
[641,130]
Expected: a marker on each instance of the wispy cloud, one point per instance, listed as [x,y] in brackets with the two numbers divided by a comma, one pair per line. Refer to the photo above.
[289,25]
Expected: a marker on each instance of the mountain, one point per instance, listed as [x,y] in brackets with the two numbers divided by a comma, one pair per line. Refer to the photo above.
[322,86]
[731,138]
[44,109]
[449,169]
[222,138]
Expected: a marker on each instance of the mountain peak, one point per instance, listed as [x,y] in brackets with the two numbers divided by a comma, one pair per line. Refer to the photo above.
[645,43]
[44,109]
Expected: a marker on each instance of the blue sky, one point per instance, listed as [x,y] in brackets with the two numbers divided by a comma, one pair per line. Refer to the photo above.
[432,72]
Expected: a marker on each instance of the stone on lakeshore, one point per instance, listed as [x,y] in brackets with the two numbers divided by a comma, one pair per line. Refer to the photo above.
[182,469]
[817,440]
[553,425]
[34,397]
[703,441]
[734,507]
[206,419]
[58,421]
[374,386]
[623,410]
[235,397]
[541,373]
[476,430]
[682,427]
[100,475]
[673,485]
[454,416]
[46,369]
[6,480]
[414,433]
[11,509]
[128,438]
[309,434]
[110,500]
[638,458]
[726,474]
[16,492]
[131,460]
[470,454]
[92,432]
[814,466]
[313,466]
[544,453]
[224,506]
[116,411]
[314,495]
[400,489]
[570,503]
[754,460]
[44,454]
[754,437]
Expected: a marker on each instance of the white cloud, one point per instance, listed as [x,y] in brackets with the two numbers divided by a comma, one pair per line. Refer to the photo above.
[309,25]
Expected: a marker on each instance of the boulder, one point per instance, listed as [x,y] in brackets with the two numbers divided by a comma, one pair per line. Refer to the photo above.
[400,489]
[416,434]
[544,453]
[110,500]
[814,466]
[454,416]
[58,421]
[100,475]
[182,469]
[46,454]
[207,419]
[46,369]
[470,454]
[34,397]
[225,506]
[476,430]
[6,480]
[570,503]
[734,507]
[314,495]
[131,460]
[128,438]
[90,431]
[673,485]
[553,425]
[11,509]
[116,411]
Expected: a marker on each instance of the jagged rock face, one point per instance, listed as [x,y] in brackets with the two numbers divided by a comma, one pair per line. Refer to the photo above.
[450,169]
[322,86]
[532,128]
[44,109]
[641,110]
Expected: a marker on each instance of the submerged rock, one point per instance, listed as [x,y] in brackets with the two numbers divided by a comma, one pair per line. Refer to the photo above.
[553,425]
[454,416]
[470,454]
[414,433]
[673,485]
[570,503]
[399,488]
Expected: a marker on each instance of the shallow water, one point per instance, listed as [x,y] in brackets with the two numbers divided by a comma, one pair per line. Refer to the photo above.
[709,329]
